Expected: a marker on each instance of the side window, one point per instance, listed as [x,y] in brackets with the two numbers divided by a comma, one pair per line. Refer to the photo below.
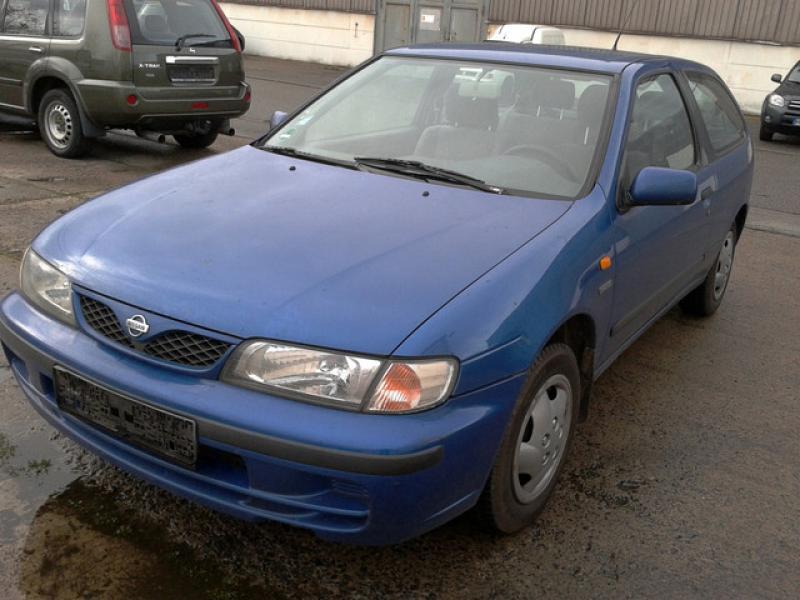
[660,133]
[70,17]
[26,17]
[719,112]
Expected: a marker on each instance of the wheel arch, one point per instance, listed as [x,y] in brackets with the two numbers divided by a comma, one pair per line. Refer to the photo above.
[46,81]
[741,220]
[579,332]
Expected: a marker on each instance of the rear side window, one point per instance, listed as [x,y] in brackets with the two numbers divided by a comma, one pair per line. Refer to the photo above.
[69,17]
[720,115]
[660,133]
[26,17]
[164,22]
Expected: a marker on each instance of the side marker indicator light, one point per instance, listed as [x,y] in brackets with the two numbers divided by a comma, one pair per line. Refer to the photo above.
[605,263]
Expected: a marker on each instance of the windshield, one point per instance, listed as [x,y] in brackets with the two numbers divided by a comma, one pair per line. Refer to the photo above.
[521,129]
[794,76]
[164,22]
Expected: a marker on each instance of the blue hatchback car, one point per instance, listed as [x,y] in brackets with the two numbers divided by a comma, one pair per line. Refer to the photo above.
[392,307]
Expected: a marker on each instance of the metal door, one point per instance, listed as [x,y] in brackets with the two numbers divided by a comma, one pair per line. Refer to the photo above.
[463,24]
[396,25]
[403,22]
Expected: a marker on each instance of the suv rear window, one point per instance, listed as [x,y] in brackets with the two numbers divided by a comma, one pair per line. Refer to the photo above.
[163,22]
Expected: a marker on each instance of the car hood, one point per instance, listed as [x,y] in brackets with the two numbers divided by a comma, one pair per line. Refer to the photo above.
[254,244]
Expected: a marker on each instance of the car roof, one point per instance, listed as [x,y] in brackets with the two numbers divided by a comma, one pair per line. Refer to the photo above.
[569,57]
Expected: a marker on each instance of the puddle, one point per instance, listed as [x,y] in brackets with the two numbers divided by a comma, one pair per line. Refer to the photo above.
[82,544]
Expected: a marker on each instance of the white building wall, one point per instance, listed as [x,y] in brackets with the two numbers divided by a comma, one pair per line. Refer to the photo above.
[745,67]
[327,37]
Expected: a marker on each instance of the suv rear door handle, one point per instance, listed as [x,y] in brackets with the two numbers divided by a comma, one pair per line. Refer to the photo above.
[36,49]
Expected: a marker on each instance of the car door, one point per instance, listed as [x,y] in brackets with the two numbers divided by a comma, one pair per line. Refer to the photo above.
[724,182]
[23,41]
[659,249]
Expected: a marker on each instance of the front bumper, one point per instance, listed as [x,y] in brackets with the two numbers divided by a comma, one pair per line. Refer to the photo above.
[780,120]
[105,103]
[366,479]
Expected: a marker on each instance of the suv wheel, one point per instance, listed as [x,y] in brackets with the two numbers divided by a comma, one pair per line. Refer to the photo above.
[535,443]
[60,125]
[765,135]
[196,141]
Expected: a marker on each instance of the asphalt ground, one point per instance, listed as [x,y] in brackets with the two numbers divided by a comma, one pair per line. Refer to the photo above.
[684,482]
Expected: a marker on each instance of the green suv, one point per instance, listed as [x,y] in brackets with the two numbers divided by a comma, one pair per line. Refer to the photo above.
[157,67]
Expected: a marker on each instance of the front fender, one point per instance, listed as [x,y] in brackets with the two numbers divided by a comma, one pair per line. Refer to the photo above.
[499,324]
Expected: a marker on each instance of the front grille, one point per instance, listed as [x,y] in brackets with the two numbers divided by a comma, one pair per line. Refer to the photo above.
[179,347]
[186,349]
[103,320]
[794,105]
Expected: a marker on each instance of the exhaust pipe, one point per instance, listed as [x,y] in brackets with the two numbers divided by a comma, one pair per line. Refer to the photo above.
[226,129]
[159,138]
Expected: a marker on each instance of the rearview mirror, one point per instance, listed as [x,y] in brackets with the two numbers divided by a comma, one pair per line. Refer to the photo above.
[277,118]
[655,186]
[777,78]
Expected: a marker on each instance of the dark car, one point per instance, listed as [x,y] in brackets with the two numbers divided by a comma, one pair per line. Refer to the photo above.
[781,110]
[82,67]
[392,307]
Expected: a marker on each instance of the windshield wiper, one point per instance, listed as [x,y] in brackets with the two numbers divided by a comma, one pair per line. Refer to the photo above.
[294,152]
[182,40]
[415,168]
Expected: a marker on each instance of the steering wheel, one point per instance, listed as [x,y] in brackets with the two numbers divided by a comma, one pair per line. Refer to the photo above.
[555,162]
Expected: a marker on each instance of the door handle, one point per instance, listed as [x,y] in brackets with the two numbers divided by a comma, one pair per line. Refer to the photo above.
[36,49]
[707,193]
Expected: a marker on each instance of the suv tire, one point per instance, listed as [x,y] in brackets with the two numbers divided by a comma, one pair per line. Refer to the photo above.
[535,444]
[196,141]
[765,135]
[60,124]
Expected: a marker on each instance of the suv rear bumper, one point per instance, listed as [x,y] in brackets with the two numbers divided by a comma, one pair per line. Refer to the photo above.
[106,103]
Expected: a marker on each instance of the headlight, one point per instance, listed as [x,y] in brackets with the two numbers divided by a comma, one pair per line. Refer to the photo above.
[777,100]
[47,287]
[356,382]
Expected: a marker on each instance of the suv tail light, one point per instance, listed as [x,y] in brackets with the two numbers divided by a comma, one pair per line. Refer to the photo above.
[231,31]
[118,23]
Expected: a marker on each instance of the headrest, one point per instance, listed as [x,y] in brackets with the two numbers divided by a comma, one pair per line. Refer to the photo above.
[558,94]
[470,112]
[592,104]
[156,24]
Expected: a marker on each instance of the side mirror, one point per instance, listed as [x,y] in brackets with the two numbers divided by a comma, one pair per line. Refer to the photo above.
[277,118]
[777,78]
[240,35]
[655,186]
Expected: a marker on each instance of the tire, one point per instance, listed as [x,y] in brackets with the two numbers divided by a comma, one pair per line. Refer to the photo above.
[765,135]
[196,141]
[514,494]
[60,125]
[705,299]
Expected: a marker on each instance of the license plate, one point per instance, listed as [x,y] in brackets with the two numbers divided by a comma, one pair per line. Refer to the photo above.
[168,435]
[191,74]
